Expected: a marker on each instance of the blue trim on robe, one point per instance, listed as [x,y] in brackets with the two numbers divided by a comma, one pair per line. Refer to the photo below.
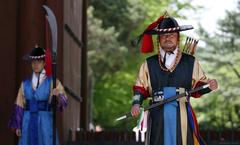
[170,117]
[33,125]
[193,125]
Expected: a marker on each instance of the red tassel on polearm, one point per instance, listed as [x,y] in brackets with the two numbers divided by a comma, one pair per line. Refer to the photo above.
[48,55]
[48,60]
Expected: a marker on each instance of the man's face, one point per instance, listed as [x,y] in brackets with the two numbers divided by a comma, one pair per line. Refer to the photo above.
[38,65]
[169,41]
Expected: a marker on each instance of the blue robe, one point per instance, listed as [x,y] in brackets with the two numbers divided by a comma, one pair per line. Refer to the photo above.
[37,117]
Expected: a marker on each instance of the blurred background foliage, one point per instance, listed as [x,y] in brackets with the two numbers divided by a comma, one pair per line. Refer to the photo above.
[114,63]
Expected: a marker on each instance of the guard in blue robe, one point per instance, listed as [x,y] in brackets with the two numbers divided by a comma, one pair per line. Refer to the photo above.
[32,115]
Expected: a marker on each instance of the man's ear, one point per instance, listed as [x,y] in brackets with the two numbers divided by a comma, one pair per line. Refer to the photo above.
[44,63]
[178,39]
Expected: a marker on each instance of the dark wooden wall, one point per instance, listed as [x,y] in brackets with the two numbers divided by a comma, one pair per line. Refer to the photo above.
[8,39]
[75,64]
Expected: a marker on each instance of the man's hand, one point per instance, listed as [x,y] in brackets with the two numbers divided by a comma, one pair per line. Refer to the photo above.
[18,132]
[135,110]
[55,92]
[213,85]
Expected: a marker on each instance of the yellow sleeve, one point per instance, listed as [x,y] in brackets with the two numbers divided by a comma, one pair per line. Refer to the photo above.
[59,87]
[20,100]
[198,74]
[143,78]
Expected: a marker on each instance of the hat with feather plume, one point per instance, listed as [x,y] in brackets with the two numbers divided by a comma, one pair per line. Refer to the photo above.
[164,24]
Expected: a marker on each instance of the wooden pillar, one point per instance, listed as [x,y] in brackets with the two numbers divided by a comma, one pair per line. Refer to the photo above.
[8,15]
[84,123]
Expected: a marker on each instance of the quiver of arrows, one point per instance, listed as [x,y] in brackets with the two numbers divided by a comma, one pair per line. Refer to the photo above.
[190,45]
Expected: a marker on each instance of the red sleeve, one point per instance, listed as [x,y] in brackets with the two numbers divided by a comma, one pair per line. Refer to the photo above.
[199,93]
[141,90]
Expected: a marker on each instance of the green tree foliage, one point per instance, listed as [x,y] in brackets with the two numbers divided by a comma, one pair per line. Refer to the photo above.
[120,14]
[222,53]
[129,17]
[105,53]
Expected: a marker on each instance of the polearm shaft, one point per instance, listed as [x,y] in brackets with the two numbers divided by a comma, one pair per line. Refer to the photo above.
[53,27]
[54,100]
[166,101]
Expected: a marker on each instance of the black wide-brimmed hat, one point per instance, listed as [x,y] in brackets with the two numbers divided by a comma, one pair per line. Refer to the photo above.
[168,25]
[37,53]
[164,24]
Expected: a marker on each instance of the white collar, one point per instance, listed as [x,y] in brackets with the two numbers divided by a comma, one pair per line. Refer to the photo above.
[162,52]
[35,78]
[170,58]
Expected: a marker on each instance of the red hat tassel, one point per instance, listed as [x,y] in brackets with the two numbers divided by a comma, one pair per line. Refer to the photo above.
[147,44]
[154,24]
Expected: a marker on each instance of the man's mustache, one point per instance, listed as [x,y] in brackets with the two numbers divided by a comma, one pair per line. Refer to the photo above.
[168,41]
